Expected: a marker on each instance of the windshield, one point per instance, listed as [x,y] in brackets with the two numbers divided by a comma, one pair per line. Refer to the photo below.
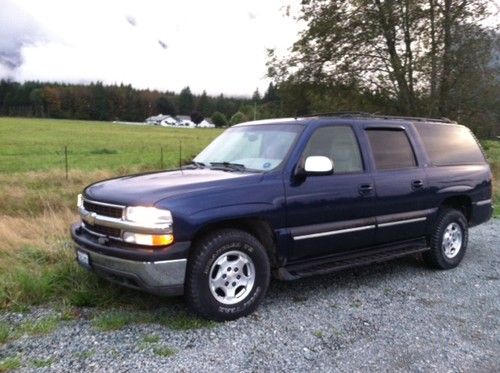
[256,147]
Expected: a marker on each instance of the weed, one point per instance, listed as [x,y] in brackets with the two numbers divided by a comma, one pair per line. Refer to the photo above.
[164,351]
[85,354]
[115,320]
[151,338]
[184,321]
[4,332]
[356,303]
[41,363]
[10,363]
[42,326]
[318,334]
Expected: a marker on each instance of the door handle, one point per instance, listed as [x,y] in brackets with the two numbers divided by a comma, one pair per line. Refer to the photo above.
[417,184]
[365,189]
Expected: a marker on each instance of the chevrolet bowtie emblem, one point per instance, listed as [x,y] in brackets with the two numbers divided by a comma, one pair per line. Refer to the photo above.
[90,218]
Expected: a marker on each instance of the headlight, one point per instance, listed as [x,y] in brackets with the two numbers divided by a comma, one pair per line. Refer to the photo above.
[79,201]
[148,216]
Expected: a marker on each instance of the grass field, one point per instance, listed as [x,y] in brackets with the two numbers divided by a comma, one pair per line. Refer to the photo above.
[37,202]
[38,144]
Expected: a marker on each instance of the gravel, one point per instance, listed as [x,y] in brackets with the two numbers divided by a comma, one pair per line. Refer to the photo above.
[397,315]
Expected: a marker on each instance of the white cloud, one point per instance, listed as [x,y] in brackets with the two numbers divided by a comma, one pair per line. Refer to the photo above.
[219,45]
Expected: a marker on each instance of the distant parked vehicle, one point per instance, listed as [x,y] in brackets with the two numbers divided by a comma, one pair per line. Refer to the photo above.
[289,198]
[157,119]
[168,121]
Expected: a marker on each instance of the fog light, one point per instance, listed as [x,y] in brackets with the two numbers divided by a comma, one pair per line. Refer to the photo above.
[148,239]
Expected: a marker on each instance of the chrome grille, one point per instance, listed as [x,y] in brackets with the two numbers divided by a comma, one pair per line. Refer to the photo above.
[101,230]
[103,209]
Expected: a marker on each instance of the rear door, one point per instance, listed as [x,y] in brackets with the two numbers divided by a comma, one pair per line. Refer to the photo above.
[400,184]
[331,214]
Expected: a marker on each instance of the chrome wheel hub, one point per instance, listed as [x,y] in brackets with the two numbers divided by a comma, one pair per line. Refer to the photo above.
[232,277]
[452,240]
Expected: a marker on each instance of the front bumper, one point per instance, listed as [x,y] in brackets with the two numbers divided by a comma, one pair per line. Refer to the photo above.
[156,271]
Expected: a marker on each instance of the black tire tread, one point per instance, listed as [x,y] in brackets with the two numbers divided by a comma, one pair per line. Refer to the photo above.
[197,261]
[435,257]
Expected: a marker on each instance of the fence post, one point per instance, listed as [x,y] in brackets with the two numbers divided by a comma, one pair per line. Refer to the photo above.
[66,160]
[161,157]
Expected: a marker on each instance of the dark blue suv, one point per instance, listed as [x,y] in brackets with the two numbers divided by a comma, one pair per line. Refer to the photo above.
[288,198]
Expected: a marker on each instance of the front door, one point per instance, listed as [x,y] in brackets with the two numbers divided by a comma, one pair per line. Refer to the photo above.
[331,214]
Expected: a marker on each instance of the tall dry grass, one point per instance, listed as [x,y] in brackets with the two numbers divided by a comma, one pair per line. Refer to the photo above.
[36,256]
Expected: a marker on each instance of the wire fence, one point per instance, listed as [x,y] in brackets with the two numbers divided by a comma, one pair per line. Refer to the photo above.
[121,157]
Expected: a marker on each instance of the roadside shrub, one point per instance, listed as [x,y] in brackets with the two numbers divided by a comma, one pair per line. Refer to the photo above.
[238,117]
[219,119]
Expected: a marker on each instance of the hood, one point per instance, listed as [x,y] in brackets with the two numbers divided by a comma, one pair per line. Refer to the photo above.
[147,189]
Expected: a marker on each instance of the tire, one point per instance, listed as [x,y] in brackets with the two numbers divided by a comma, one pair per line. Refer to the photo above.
[448,241]
[227,276]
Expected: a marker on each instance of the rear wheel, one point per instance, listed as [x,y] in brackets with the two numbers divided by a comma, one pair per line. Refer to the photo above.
[228,275]
[448,241]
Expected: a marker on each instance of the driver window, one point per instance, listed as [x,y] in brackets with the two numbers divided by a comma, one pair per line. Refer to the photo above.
[339,144]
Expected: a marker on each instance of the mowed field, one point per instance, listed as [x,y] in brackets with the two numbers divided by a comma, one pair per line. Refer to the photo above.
[38,145]
[37,202]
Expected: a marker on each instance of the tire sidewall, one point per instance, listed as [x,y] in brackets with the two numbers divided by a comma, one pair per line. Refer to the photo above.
[257,254]
[451,216]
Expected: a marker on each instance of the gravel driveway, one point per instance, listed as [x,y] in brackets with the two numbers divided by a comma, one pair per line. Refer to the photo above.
[393,316]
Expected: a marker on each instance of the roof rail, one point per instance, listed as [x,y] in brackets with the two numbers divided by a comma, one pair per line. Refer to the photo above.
[417,119]
[340,114]
[380,116]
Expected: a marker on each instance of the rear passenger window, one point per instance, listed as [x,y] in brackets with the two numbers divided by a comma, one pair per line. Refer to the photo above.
[391,149]
[339,144]
[449,144]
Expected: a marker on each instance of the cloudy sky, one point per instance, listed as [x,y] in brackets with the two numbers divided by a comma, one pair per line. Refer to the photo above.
[219,46]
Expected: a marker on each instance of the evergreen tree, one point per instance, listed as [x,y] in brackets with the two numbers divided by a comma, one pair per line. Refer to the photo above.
[186,101]
[165,106]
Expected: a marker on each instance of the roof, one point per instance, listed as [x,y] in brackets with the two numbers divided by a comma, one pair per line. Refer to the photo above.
[357,115]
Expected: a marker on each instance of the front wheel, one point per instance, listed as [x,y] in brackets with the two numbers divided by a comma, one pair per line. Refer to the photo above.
[448,241]
[228,275]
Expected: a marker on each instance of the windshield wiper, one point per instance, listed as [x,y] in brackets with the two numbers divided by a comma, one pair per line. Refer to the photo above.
[196,164]
[228,165]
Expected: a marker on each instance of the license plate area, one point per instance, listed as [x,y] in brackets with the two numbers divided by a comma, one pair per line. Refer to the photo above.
[83,259]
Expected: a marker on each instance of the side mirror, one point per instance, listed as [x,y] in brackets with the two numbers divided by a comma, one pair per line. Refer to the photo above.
[318,165]
[314,165]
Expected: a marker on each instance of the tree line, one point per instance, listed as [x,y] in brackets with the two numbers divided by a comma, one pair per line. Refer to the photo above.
[97,101]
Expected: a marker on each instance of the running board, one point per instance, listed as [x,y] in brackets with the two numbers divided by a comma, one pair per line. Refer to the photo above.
[296,271]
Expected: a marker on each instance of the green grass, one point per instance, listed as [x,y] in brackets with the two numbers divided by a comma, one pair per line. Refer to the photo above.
[119,319]
[115,320]
[39,327]
[184,321]
[164,351]
[318,334]
[42,363]
[85,354]
[151,338]
[10,363]
[4,332]
[38,144]
[37,201]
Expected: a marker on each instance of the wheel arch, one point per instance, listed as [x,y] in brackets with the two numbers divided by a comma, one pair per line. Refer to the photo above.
[259,228]
[461,202]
